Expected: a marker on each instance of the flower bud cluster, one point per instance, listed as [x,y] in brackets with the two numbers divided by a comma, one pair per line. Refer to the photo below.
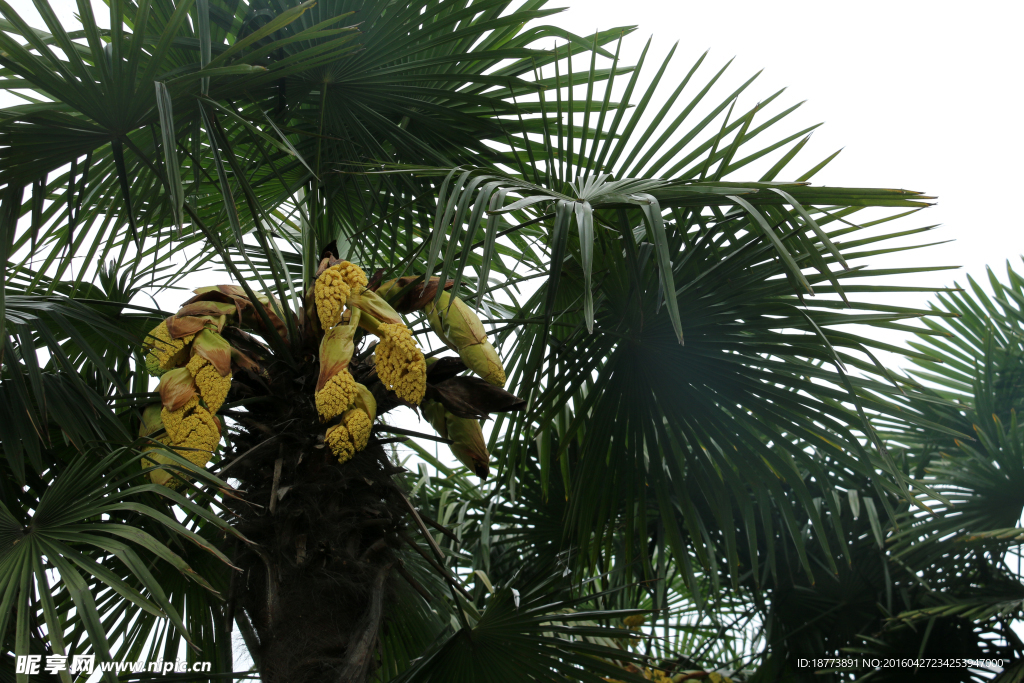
[338,396]
[194,364]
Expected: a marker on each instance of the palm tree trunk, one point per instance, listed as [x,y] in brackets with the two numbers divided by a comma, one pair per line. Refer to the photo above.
[314,581]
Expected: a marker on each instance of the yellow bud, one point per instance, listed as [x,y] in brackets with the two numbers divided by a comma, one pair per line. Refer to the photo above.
[635,620]
[400,364]
[375,307]
[366,401]
[340,443]
[468,443]
[454,321]
[151,422]
[213,388]
[152,457]
[336,349]
[387,288]
[336,396]
[466,435]
[331,293]
[165,352]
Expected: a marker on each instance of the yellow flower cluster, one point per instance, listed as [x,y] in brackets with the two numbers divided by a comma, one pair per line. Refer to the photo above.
[192,426]
[400,364]
[359,425]
[340,442]
[351,436]
[333,288]
[353,275]
[212,387]
[194,434]
[163,349]
[336,396]
[331,292]
[635,620]
[173,419]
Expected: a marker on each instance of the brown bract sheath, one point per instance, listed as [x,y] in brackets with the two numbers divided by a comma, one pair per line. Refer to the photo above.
[472,397]
[214,348]
[416,297]
[245,308]
[183,326]
[177,387]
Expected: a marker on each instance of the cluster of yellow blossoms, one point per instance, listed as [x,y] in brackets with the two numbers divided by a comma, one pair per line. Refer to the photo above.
[194,363]
[351,435]
[337,392]
[331,293]
[193,430]
[353,432]
[400,364]
[333,289]
[165,352]
[195,372]
[212,386]
[336,396]
[459,328]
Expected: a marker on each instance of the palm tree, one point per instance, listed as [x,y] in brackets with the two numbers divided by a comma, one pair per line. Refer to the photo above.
[940,582]
[679,385]
[964,553]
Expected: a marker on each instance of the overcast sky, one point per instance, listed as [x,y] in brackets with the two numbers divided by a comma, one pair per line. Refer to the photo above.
[922,95]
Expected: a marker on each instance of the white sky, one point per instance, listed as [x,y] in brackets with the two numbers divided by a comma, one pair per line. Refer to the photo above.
[922,96]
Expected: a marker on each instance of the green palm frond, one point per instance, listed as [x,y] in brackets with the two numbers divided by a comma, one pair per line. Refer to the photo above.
[95,529]
[523,635]
[975,390]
